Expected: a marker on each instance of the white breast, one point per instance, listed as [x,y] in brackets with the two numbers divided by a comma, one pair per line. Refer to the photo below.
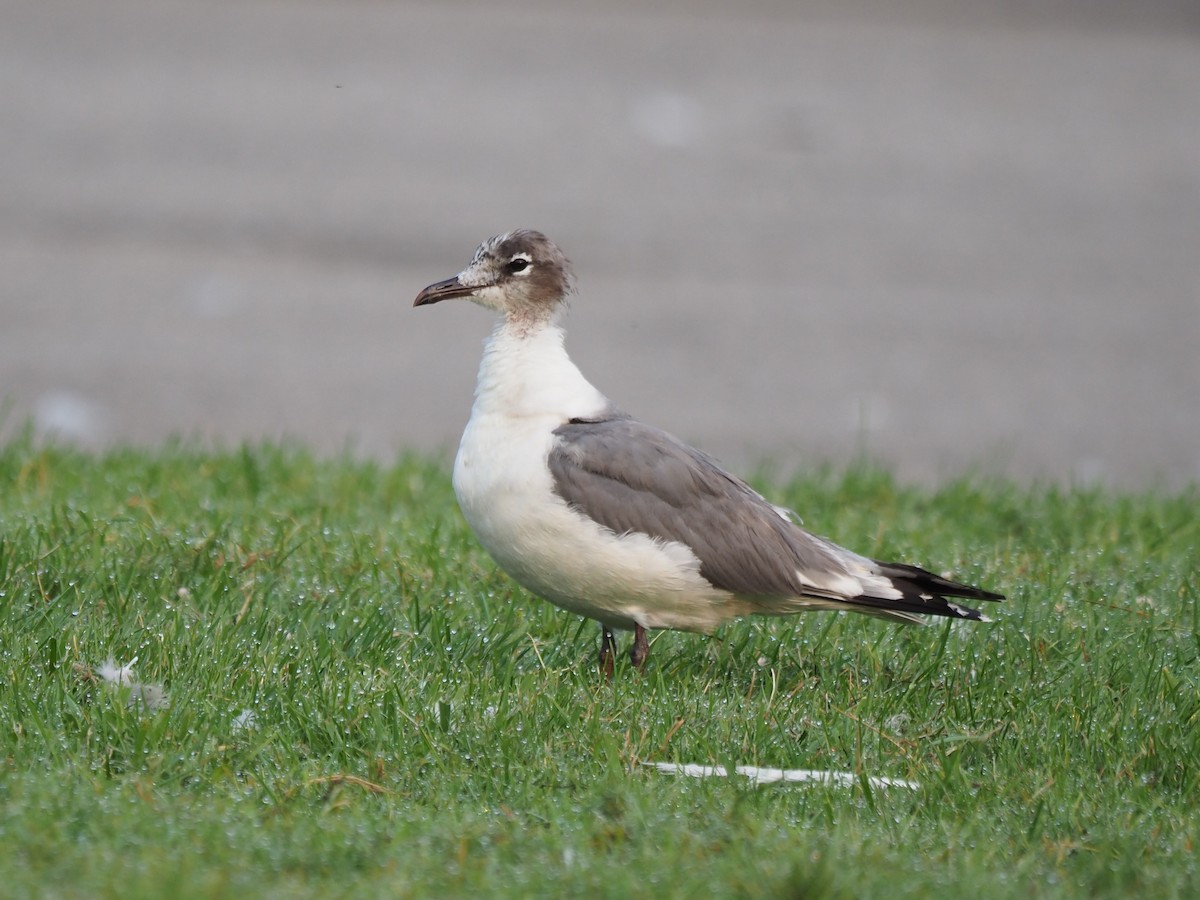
[528,387]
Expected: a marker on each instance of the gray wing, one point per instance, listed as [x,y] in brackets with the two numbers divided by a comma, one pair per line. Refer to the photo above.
[632,477]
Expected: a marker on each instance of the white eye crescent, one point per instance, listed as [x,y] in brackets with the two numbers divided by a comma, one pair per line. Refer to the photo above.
[519,264]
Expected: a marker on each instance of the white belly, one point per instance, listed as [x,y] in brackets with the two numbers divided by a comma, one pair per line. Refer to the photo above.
[507,495]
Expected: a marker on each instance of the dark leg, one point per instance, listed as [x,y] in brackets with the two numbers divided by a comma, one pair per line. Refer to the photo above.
[608,653]
[640,651]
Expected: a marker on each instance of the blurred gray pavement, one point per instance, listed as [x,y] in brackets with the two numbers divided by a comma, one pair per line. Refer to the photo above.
[964,237]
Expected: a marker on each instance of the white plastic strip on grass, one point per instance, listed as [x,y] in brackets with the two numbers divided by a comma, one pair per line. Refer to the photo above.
[760,775]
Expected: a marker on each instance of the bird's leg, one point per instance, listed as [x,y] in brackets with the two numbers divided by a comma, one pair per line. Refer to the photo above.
[640,651]
[608,653]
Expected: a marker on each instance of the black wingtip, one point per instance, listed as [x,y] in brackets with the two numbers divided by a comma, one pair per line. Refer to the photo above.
[913,604]
[928,594]
[924,581]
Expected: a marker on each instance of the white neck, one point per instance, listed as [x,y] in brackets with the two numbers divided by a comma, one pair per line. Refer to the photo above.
[525,372]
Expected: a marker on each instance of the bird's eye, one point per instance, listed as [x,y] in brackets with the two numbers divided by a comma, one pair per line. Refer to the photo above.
[517,264]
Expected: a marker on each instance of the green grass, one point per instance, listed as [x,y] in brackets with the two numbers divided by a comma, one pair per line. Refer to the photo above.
[422,727]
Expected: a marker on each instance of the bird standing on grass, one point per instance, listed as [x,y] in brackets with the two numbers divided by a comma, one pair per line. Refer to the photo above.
[616,520]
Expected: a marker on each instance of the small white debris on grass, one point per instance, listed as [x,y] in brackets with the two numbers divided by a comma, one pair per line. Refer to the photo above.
[121,676]
[245,720]
[149,696]
[760,775]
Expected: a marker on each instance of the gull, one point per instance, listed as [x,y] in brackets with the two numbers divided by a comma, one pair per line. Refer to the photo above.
[616,520]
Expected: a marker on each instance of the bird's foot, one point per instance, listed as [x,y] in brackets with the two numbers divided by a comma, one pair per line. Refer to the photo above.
[640,651]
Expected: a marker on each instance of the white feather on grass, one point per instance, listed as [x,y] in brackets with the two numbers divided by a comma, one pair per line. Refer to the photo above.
[759,775]
[149,696]
[110,672]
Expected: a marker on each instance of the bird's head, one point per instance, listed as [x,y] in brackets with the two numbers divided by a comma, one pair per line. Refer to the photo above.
[521,273]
